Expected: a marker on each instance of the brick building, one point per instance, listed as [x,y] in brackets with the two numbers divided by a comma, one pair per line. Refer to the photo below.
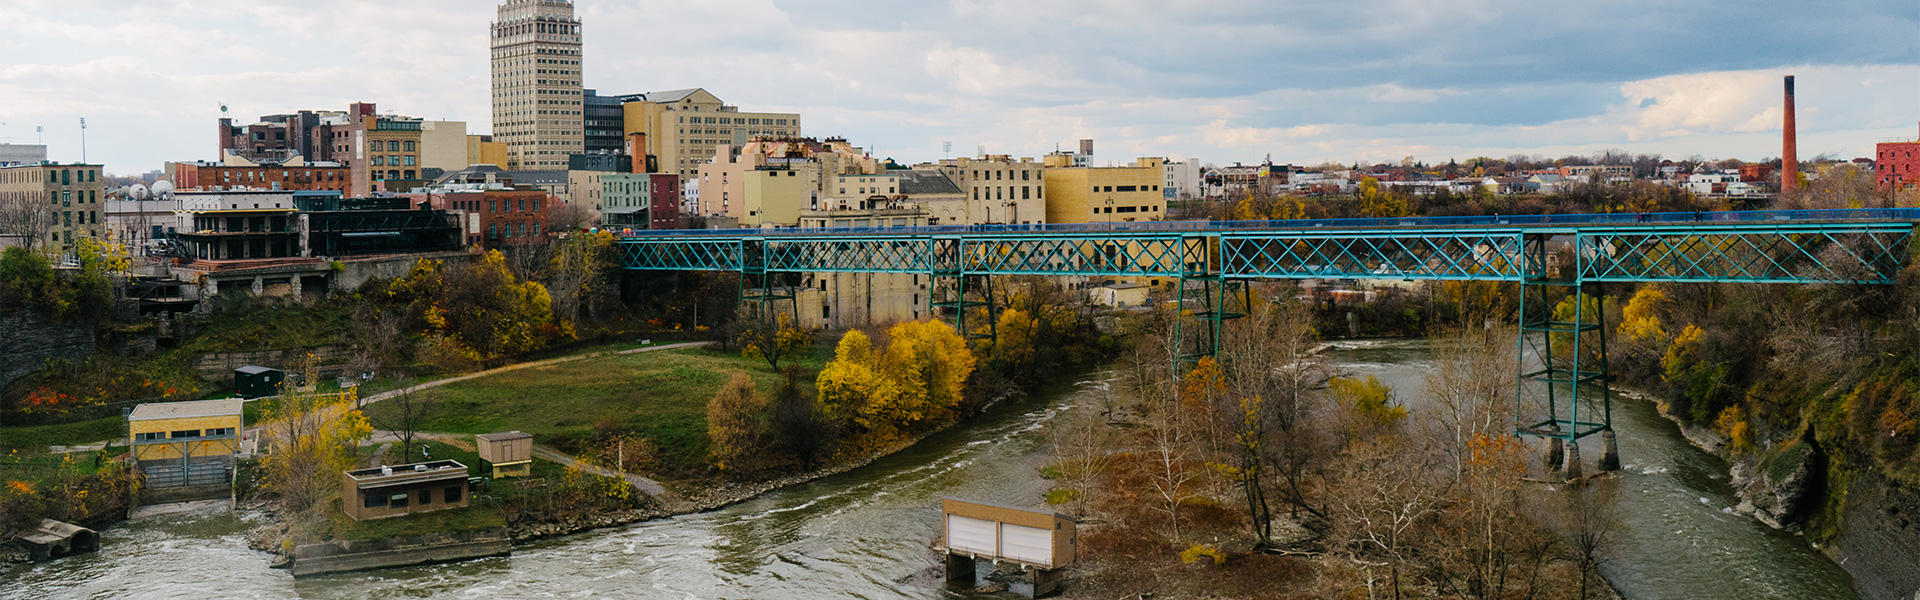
[494,215]
[301,176]
[1897,164]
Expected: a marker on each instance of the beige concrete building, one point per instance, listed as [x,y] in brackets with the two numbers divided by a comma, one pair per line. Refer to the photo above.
[997,190]
[537,95]
[1105,194]
[71,196]
[181,444]
[686,128]
[443,145]
[842,300]
[767,182]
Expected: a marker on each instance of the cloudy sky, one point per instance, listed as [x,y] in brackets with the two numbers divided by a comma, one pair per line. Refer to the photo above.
[1221,80]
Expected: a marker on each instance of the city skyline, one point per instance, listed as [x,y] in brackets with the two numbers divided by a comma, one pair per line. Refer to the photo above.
[1223,81]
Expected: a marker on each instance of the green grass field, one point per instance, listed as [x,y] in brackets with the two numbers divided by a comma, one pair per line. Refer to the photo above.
[35,439]
[661,395]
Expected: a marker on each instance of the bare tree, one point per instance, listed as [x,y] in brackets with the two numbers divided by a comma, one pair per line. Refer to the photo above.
[28,219]
[1472,388]
[1082,440]
[1385,493]
[408,409]
[1595,525]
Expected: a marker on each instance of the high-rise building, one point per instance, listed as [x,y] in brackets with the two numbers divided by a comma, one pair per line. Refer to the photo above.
[537,96]
[687,128]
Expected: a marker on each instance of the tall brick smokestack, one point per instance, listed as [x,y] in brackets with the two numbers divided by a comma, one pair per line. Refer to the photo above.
[1789,148]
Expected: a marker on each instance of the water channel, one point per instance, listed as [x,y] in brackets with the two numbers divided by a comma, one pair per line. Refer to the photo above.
[865,534]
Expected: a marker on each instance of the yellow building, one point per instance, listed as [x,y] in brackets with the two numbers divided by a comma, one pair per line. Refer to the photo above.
[482,150]
[179,444]
[70,196]
[686,128]
[769,181]
[1104,194]
[443,145]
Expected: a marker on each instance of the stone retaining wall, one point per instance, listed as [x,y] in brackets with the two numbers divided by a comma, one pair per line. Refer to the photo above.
[219,367]
[32,340]
[358,555]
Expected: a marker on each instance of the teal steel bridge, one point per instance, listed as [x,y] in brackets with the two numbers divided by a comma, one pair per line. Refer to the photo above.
[1551,259]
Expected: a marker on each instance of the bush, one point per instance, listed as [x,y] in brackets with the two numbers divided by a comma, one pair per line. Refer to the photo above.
[1194,553]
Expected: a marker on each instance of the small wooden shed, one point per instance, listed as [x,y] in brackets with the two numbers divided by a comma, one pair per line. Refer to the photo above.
[257,382]
[510,453]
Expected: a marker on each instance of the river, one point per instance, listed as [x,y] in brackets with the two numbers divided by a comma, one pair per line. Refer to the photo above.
[865,534]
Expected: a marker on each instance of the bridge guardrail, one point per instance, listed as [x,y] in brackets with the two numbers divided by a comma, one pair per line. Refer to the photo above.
[1552,220]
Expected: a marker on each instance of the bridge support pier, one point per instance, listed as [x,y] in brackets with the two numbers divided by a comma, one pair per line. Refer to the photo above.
[1609,451]
[1204,305]
[1574,467]
[1562,356]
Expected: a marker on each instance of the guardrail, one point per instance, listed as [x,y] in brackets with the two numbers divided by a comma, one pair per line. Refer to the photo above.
[1554,220]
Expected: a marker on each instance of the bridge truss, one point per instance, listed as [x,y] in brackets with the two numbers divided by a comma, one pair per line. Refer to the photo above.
[1560,270]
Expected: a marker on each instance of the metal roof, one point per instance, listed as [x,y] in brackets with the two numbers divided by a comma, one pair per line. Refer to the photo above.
[502,437]
[183,410]
[925,182]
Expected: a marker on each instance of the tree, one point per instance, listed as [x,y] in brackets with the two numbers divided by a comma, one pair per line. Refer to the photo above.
[567,217]
[1595,527]
[1082,441]
[1384,493]
[28,219]
[27,280]
[482,306]
[578,272]
[311,438]
[927,363]
[1174,472]
[849,381]
[797,420]
[734,425]
[1472,388]
[781,339]
[408,409]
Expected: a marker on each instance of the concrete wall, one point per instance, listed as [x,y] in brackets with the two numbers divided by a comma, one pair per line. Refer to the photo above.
[340,556]
[443,144]
[32,340]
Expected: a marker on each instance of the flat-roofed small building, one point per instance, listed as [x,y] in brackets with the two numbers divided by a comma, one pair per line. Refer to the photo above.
[178,444]
[401,490]
[510,453]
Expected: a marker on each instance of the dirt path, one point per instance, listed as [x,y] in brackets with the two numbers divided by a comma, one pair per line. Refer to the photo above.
[517,366]
[649,486]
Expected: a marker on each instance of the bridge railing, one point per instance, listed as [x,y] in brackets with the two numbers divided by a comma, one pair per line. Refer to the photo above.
[1554,220]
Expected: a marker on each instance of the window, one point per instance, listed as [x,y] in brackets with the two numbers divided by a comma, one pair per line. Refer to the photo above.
[379,161]
[397,501]
[425,497]
[189,433]
[409,149]
[148,437]
[450,495]
[1129,188]
[372,501]
[409,159]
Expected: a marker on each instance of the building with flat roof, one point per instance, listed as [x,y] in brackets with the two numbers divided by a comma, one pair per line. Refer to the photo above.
[1106,194]
[997,189]
[537,95]
[1896,163]
[400,490]
[687,128]
[22,154]
[184,444]
[69,195]
[510,453]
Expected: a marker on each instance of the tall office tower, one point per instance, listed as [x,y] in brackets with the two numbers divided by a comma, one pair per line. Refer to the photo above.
[536,83]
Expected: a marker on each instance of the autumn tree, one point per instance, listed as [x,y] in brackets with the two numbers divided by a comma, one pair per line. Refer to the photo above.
[735,425]
[578,273]
[919,377]
[478,311]
[851,380]
[311,438]
[1472,388]
[798,420]
[775,340]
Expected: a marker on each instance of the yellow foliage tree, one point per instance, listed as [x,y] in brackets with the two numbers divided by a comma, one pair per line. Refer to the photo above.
[1369,402]
[1013,346]
[1682,353]
[734,424]
[850,379]
[920,377]
[311,438]
[1640,320]
[1733,424]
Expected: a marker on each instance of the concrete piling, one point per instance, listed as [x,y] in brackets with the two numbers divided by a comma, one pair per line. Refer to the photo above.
[1609,451]
[960,569]
[1573,461]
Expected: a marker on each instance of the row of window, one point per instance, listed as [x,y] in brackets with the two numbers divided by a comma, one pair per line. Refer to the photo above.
[1128,188]
[448,495]
[393,146]
[737,121]
[1127,209]
[1006,193]
[382,161]
[393,174]
[183,434]
[526,230]
[1025,175]
[86,217]
[63,176]
[254,176]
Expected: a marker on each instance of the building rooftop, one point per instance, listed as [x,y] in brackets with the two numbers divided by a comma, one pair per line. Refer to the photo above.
[502,437]
[926,182]
[182,410]
[413,473]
